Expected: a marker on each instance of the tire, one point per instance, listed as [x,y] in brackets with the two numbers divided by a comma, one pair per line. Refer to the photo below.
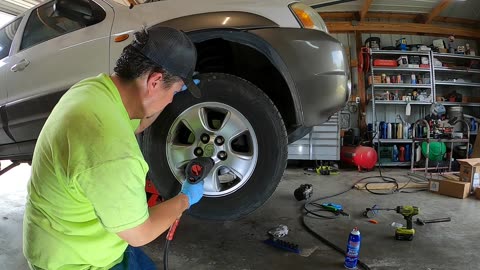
[240,98]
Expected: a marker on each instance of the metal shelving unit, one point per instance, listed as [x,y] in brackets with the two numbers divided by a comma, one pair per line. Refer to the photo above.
[458,68]
[375,87]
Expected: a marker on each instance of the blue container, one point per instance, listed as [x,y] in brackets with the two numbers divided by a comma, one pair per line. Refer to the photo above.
[384,130]
[353,248]
[408,152]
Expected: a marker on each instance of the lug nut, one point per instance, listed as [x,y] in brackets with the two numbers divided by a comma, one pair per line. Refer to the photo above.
[198,152]
[222,155]
[219,140]
[205,138]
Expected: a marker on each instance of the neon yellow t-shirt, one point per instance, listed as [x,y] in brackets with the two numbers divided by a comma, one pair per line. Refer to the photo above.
[87,183]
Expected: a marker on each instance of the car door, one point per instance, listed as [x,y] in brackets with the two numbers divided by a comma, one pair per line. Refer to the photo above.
[62,43]
[7,34]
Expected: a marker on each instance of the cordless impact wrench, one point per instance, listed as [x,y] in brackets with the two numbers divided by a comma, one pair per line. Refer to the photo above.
[197,169]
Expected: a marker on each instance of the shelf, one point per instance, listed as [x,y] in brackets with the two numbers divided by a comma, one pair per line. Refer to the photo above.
[401,102]
[397,52]
[401,69]
[447,69]
[395,164]
[466,104]
[393,140]
[401,85]
[441,140]
[451,55]
[458,84]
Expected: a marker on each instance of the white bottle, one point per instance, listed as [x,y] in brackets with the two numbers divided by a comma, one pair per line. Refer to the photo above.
[418,154]
[389,131]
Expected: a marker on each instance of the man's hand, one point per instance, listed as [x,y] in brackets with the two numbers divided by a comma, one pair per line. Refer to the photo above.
[194,192]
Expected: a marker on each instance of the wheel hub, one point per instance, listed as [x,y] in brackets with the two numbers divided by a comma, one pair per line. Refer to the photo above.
[218,131]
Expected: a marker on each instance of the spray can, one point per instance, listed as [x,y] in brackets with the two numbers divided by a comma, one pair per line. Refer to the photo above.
[353,248]
[389,131]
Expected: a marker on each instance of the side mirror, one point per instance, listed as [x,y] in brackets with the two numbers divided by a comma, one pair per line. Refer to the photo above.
[76,10]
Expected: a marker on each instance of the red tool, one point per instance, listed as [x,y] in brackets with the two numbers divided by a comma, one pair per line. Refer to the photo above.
[197,169]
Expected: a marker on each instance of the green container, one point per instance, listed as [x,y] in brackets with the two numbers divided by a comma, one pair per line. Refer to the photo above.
[385,154]
[436,152]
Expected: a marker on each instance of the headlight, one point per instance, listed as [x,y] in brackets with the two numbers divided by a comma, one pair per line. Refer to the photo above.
[308,17]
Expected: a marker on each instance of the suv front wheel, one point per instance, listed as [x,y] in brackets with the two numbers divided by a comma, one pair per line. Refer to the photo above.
[236,125]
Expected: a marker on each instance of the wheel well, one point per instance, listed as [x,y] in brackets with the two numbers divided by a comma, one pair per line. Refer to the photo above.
[219,55]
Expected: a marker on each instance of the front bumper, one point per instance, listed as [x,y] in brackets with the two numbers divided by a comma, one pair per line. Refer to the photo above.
[316,69]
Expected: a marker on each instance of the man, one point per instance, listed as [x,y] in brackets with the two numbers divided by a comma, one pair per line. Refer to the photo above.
[86,205]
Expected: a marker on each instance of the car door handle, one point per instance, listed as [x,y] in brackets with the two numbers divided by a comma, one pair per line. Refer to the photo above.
[20,65]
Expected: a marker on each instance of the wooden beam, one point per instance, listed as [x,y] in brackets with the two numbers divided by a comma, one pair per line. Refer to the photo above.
[338,15]
[437,10]
[361,89]
[456,20]
[404,28]
[391,15]
[387,186]
[364,10]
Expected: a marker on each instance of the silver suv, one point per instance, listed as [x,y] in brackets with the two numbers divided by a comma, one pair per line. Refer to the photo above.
[269,70]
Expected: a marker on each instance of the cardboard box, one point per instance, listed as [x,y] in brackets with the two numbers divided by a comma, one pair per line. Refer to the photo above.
[450,188]
[476,148]
[470,171]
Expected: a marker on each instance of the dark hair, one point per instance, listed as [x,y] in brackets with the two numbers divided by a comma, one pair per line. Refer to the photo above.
[133,64]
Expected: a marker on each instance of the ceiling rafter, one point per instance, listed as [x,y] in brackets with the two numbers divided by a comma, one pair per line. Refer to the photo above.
[428,18]
[404,28]
[364,10]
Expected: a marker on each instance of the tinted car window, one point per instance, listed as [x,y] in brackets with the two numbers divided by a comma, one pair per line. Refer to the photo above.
[6,37]
[46,23]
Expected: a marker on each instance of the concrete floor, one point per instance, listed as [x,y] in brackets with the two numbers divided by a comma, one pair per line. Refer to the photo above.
[237,244]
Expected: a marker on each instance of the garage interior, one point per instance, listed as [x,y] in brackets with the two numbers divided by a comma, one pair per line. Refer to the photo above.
[406,137]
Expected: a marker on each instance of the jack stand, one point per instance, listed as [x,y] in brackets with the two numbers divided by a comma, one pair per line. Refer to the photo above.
[154,195]
[9,167]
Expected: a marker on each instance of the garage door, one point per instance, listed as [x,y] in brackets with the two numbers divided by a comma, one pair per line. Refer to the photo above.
[16,7]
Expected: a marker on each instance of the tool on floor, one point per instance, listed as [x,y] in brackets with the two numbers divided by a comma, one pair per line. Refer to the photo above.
[304,192]
[422,222]
[407,211]
[281,244]
[325,168]
[195,171]
[279,231]
[335,208]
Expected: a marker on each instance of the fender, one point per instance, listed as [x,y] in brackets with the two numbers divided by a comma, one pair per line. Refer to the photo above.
[203,27]
[220,20]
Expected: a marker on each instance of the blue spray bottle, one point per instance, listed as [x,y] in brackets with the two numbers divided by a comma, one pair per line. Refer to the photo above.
[353,248]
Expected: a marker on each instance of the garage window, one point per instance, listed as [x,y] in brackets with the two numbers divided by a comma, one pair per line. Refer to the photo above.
[6,37]
[46,22]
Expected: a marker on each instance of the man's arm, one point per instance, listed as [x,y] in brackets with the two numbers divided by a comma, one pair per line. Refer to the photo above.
[160,219]
[163,215]
[146,122]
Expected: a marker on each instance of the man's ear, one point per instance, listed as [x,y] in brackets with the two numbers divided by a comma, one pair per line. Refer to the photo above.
[154,80]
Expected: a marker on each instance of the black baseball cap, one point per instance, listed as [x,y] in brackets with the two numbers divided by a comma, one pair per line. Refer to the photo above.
[172,50]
